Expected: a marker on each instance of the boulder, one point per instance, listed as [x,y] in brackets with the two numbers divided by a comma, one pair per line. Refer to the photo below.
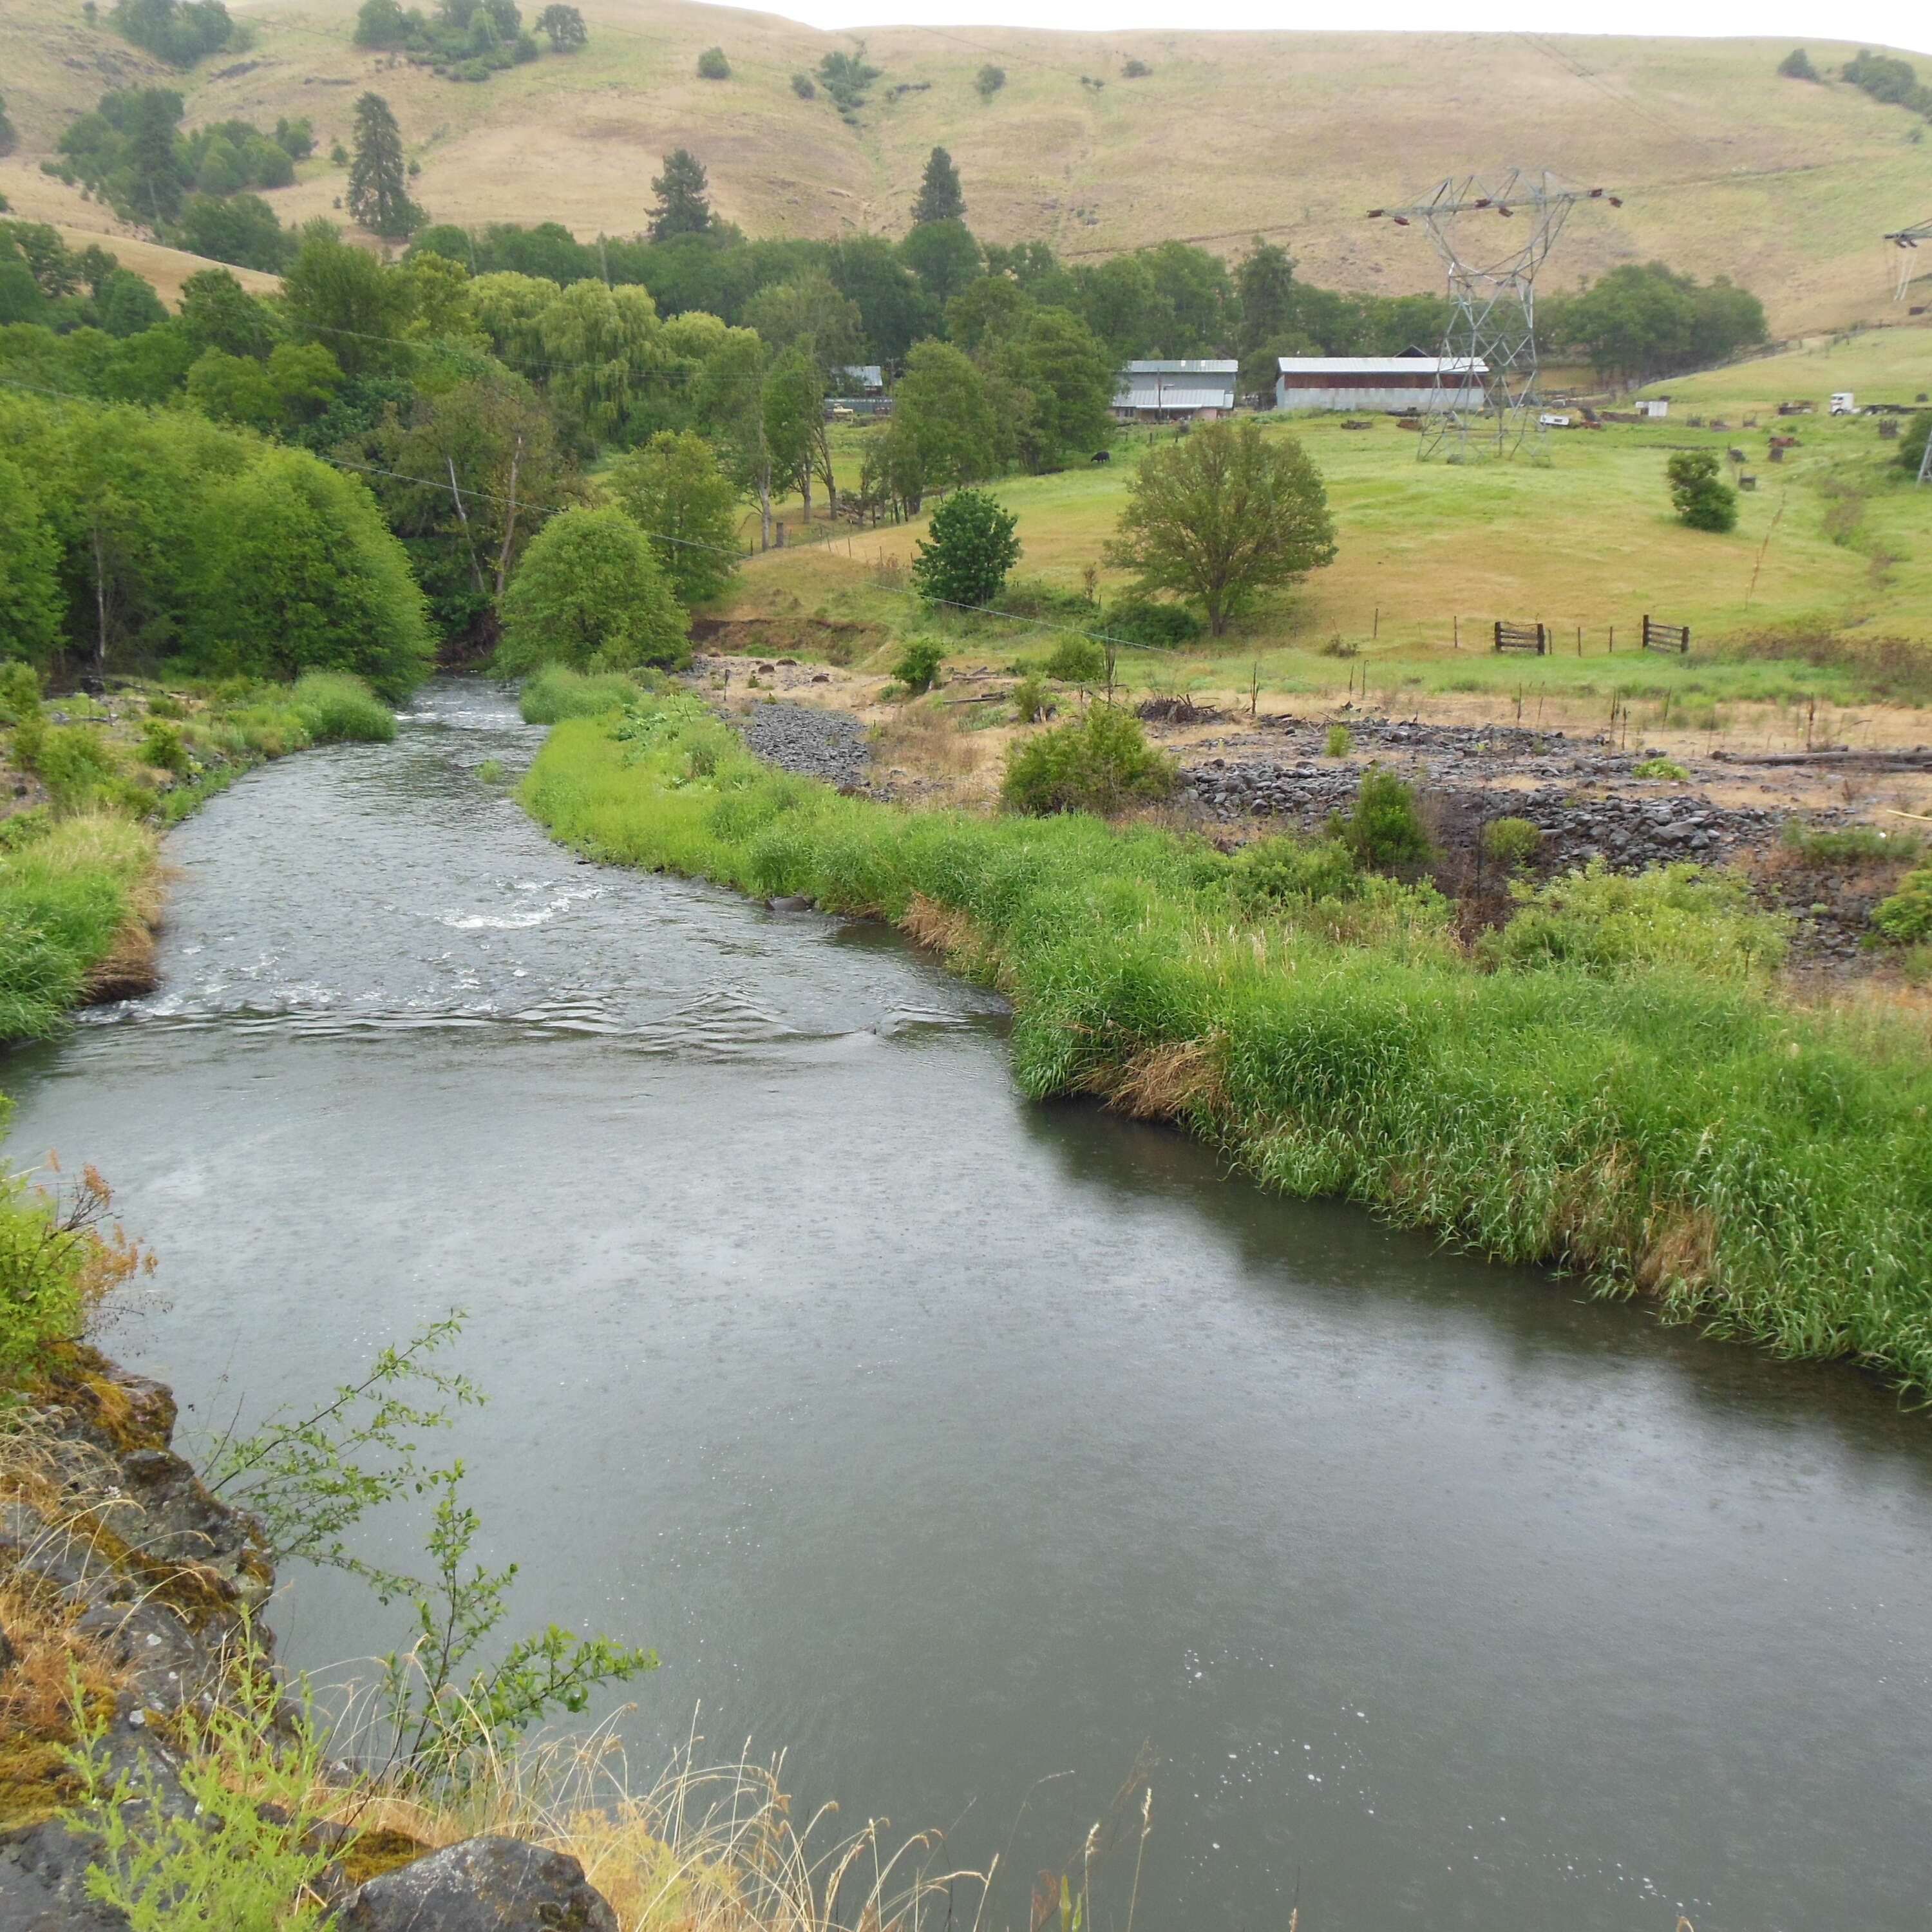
[483,1885]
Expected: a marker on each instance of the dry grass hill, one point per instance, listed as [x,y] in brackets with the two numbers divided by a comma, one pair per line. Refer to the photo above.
[1784,184]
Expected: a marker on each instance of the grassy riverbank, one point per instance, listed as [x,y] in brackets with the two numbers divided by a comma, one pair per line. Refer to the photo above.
[1639,1106]
[92,781]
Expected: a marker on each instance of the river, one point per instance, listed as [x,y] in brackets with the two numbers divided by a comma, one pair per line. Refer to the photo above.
[961,1446]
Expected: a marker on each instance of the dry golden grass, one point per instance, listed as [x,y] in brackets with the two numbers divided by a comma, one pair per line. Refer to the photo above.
[1725,167]
[1179,1080]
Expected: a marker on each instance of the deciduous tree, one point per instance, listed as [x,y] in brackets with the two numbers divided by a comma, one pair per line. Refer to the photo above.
[1223,514]
[676,493]
[970,549]
[590,593]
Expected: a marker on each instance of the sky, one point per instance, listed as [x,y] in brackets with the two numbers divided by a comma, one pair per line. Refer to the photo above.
[1900,24]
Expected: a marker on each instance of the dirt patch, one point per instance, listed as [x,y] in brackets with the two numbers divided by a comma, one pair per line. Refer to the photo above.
[836,644]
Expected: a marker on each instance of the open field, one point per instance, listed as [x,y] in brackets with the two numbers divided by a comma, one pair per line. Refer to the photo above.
[1835,541]
[1887,364]
[1784,185]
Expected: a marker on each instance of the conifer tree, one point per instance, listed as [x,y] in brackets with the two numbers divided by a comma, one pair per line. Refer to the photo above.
[378,174]
[683,208]
[940,198]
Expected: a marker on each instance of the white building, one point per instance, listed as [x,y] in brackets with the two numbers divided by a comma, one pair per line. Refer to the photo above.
[1166,392]
[1398,382]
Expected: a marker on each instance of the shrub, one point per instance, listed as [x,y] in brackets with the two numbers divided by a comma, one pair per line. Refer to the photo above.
[20,692]
[336,709]
[1077,660]
[989,80]
[1912,444]
[162,705]
[1659,768]
[1905,918]
[1701,499]
[161,747]
[556,692]
[1847,844]
[1101,763]
[802,85]
[1511,842]
[591,593]
[919,665]
[1339,743]
[969,550]
[1383,828]
[1277,871]
[1796,65]
[712,65]
[1141,620]
[1607,921]
[74,764]
[1029,698]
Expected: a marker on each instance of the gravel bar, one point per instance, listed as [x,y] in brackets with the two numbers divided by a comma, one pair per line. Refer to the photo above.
[828,745]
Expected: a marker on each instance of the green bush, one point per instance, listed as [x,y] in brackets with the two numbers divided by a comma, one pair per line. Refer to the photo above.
[1606,922]
[1511,842]
[1278,871]
[1905,918]
[1383,829]
[1817,845]
[919,665]
[1912,444]
[1701,499]
[162,705]
[1660,768]
[161,747]
[1339,744]
[556,692]
[1143,620]
[336,709]
[20,692]
[712,65]
[75,762]
[1102,762]
[1077,660]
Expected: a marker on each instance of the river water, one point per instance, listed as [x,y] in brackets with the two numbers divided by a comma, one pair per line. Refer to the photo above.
[962,1447]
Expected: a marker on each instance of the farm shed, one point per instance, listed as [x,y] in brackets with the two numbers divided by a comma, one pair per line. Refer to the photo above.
[1398,382]
[1168,391]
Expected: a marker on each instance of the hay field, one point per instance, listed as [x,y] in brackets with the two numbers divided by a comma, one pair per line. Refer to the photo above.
[1727,168]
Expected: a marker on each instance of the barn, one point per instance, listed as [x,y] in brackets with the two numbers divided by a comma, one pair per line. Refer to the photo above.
[1398,382]
[1174,391]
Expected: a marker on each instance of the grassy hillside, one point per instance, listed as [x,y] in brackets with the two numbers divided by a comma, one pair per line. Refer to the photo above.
[1832,542]
[1782,185]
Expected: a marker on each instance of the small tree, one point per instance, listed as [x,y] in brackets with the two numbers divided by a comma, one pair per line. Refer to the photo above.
[1384,829]
[1223,514]
[990,80]
[378,174]
[919,665]
[712,65]
[971,547]
[1702,499]
[1912,444]
[564,26]
[1796,65]
[940,198]
[683,207]
[379,23]
[687,507]
[591,594]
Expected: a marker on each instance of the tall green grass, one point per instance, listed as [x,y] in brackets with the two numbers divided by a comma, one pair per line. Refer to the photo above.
[65,898]
[556,692]
[336,709]
[1660,1128]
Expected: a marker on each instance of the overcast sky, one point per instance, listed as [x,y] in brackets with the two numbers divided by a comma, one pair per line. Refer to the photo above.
[1892,23]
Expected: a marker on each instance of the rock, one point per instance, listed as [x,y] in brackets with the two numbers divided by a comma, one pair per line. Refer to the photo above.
[43,1882]
[483,1885]
[789,902]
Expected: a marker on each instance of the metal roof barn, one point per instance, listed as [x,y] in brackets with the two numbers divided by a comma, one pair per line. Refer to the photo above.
[1178,388]
[1403,383]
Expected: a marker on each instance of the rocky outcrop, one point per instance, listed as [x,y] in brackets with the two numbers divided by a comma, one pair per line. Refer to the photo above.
[483,1885]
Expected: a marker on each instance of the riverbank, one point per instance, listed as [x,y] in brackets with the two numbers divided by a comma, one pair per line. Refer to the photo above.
[88,782]
[1663,1126]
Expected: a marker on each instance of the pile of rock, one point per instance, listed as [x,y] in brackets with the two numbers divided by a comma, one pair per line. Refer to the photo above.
[828,745]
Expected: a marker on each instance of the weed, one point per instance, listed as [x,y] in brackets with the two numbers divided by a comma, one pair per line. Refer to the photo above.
[1905,918]
[491,772]
[1849,844]
[1660,768]
[1511,842]
[919,665]
[336,709]
[161,747]
[1029,699]
[1077,660]
[553,692]
[1339,743]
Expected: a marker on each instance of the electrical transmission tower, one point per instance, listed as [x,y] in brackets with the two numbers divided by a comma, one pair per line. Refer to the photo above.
[1485,389]
[1907,241]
